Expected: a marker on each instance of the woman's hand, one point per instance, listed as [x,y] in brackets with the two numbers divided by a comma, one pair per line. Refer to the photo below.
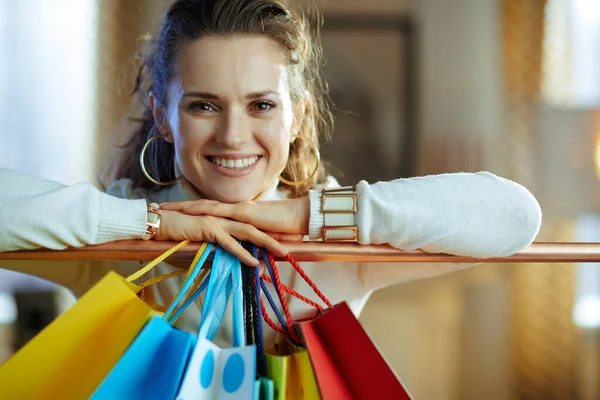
[206,228]
[282,219]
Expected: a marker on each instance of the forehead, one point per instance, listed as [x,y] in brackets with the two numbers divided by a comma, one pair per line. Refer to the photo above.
[230,66]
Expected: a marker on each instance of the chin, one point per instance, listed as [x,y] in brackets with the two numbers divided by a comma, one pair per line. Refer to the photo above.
[233,195]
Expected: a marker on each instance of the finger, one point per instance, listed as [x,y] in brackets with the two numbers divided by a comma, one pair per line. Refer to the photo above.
[286,237]
[235,248]
[181,205]
[251,234]
[176,205]
[215,209]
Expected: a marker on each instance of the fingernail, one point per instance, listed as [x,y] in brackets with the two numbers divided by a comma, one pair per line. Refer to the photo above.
[164,204]
[254,262]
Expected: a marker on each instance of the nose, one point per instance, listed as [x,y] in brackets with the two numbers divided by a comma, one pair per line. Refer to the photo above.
[234,130]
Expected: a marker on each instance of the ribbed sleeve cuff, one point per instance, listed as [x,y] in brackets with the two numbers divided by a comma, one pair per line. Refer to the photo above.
[317,220]
[121,219]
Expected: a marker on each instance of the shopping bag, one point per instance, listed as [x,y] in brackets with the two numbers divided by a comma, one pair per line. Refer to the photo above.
[154,364]
[346,363]
[264,389]
[73,354]
[215,373]
[291,371]
[286,364]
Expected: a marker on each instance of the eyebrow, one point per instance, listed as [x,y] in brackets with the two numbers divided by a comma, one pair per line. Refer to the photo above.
[212,96]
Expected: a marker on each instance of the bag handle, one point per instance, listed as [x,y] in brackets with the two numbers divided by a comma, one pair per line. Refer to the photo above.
[292,292]
[199,286]
[280,288]
[237,292]
[258,329]
[288,322]
[193,291]
[156,261]
[197,263]
[303,274]
[193,273]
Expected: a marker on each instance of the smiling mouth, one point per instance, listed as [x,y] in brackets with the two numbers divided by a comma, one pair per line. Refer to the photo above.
[238,163]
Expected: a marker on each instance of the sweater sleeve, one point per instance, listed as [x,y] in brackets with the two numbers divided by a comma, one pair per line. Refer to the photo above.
[35,213]
[469,214]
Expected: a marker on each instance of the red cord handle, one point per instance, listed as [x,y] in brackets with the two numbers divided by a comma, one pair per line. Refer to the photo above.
[285,289]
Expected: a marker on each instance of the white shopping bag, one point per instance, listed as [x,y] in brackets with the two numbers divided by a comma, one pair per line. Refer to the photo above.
[215,373]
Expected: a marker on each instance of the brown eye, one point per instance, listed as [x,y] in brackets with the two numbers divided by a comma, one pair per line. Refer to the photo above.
[201,106]
[263,106]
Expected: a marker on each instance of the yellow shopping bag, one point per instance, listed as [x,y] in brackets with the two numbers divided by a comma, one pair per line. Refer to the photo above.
[72,355]
[289,367]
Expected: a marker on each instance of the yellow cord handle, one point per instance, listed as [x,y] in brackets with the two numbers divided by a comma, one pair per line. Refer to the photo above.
[158,260]
[161,278]
[199,254]
[198,279]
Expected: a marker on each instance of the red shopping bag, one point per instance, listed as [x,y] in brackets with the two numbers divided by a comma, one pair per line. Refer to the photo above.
[346,362]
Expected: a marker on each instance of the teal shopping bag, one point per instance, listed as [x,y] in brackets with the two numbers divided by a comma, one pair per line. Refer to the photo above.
[213,372]
[154,364]
[264,389]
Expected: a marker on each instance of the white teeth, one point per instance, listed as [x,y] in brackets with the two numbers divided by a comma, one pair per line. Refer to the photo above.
[234,164]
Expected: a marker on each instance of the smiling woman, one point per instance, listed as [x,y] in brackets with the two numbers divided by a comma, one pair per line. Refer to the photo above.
[230,104]
[234,80]
[227,150]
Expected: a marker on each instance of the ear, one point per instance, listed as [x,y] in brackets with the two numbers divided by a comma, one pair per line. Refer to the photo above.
[299,116]
[160,119]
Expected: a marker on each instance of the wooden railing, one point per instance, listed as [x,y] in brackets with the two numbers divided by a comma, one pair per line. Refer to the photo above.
[315,251]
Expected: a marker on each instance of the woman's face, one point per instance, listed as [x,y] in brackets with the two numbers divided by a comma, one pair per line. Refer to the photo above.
[230,116]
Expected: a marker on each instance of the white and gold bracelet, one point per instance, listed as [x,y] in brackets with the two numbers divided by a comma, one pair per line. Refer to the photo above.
[153,222]
[339,207]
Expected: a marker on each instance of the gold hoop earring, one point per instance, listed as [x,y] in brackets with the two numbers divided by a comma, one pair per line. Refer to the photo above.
[143,167]
[316,151]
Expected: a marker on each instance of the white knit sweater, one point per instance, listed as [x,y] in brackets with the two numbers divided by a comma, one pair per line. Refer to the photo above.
[470,214]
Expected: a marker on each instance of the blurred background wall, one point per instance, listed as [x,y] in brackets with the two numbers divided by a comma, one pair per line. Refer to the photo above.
[420,87]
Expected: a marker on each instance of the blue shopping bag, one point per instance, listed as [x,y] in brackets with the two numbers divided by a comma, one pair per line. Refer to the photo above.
[215,373]
[154,364]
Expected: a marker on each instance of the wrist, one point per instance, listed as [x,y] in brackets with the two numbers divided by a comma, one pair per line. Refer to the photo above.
[163,231]
[304,214]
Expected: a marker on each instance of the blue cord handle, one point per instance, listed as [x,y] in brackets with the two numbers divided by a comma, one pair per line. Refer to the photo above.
[260,341]
[190,279]
[193,298]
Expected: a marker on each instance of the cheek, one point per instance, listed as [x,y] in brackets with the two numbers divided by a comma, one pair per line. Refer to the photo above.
[276,139]
[191,135]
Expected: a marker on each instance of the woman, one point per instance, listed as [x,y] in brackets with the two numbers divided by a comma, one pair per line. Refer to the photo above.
[235,107]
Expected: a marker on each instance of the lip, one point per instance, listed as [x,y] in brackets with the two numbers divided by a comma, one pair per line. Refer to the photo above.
[233,173]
